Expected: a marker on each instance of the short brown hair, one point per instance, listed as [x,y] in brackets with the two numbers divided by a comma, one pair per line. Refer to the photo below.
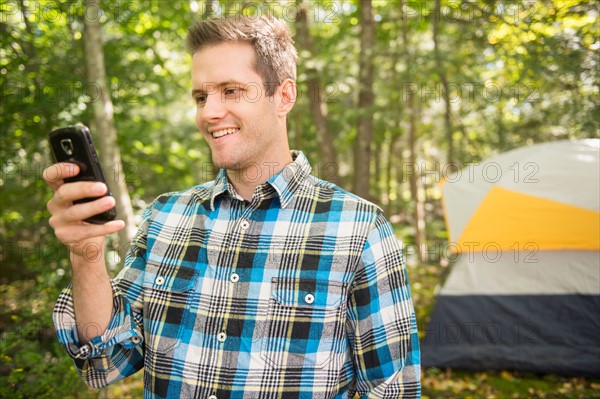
[270,37]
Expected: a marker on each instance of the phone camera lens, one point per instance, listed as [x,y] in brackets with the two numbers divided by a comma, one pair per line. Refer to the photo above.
[67,146]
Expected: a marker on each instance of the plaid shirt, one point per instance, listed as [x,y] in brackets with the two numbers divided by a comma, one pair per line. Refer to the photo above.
[300,293]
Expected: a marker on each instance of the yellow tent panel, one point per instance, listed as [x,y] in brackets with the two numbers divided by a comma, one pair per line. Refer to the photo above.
[509,220]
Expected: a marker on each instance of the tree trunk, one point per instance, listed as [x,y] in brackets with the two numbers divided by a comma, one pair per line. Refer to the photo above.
[398,148]
[318,107]
[414,180]
[298,142]
[501,127]
[110,156]
[395,177]
[389,173]
[419,209]
[377,178]
[445,87]
[364,134]
[397,184]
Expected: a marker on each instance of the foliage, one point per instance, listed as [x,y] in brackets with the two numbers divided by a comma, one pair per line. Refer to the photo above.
[520,72]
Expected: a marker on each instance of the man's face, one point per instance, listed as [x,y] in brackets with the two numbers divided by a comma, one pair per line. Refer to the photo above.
[239,122]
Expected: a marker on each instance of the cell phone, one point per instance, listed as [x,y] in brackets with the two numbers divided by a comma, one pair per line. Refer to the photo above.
[74,144]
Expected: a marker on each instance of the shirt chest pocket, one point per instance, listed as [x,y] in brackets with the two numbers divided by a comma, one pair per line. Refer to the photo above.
[305,326]
[167,294]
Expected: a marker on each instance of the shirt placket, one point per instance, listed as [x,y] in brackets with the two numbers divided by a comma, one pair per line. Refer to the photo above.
[230,278]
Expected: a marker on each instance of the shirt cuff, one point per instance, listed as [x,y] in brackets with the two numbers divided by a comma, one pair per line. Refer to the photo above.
[121,330]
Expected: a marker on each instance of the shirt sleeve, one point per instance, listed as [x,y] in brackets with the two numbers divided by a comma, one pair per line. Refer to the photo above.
[119,352]
[382,326]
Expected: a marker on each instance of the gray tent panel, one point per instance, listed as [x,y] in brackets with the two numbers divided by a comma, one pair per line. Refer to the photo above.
[540,333]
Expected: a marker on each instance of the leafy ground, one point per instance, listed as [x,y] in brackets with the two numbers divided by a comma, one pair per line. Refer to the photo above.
[438,383]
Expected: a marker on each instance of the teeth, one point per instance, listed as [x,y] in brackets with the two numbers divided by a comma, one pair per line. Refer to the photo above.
[223,132]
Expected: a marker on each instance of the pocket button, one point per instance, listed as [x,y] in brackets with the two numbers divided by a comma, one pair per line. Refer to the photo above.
[309,298]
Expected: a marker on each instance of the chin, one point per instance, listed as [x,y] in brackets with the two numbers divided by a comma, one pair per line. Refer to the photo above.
[232,160]
[229,164]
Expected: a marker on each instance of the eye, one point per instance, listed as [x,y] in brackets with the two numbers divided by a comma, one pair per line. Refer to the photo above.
[232,91]
[200,99]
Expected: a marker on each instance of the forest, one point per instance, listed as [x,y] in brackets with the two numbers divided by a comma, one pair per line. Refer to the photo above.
[393,96]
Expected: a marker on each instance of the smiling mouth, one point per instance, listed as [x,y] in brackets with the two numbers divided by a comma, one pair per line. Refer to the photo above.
[224,132]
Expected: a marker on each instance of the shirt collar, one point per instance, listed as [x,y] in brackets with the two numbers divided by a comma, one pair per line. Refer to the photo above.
[287,182]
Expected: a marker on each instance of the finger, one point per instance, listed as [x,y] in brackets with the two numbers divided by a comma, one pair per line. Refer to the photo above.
[77,233]
[55,174]
[83,211]
[70,192]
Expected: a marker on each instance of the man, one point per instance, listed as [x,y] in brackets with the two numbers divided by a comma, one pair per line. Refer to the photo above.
[267,282]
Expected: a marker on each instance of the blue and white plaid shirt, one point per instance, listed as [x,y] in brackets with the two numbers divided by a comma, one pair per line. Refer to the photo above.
[300,293]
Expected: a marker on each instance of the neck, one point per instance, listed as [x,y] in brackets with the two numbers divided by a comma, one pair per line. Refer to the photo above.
[246,180]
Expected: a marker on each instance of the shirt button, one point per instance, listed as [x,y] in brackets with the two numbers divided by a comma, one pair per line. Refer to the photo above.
[135,340]
[221,337]
[245,224]
[234,278]
[159,281]
[309,298]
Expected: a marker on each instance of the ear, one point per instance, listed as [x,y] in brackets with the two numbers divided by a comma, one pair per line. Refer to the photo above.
[287,91]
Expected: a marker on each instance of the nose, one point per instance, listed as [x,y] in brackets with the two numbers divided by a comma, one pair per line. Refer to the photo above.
[214,108]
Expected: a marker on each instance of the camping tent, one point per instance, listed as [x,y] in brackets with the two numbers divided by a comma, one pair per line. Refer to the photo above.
[523,292]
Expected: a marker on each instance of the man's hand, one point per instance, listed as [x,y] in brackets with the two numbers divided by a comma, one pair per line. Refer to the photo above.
[92,291]
[67,218]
